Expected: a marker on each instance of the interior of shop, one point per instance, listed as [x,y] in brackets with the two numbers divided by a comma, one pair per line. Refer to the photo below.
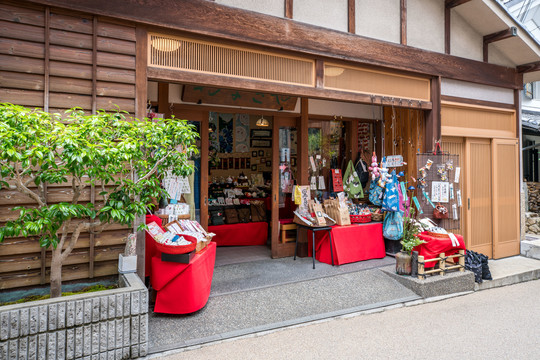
[239,163]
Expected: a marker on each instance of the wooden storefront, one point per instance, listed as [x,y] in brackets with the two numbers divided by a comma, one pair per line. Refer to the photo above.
[97,54]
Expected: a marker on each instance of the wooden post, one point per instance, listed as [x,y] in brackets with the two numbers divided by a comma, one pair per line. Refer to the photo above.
[461,260]
[442,263]
[421,267]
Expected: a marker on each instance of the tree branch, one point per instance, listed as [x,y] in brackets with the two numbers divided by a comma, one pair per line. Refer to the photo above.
[23,189]
[154,169]
[75,236]
[65,227]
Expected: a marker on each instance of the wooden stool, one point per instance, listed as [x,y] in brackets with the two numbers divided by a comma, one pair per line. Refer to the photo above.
[286,230]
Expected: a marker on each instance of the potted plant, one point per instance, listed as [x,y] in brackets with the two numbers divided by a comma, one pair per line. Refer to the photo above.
[410,240]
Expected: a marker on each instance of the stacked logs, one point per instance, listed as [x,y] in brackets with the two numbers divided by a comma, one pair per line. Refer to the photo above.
[534,196]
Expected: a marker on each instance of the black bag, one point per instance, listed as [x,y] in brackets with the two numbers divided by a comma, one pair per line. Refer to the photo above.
[217,217]
[361,168]
[478,264]
[244,214]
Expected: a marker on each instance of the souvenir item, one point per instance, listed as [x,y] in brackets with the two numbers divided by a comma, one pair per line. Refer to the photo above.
[351,184]
[428,164]
[391,195]
[337,180]
[374,168]
[393,225]
[440,212]
[417,204]
[456,177]
[450,165]
[375,193]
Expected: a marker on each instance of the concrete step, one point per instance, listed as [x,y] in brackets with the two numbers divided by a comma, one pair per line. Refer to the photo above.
[530,247]
[510,271]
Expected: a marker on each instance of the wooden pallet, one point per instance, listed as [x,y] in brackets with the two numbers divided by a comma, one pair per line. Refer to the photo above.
[444,267]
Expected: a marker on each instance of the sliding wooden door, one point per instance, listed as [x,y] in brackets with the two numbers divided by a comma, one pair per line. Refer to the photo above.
[478,201]
[506,213]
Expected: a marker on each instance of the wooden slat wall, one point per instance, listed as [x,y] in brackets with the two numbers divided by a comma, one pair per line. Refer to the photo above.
[89,63]
[409,135]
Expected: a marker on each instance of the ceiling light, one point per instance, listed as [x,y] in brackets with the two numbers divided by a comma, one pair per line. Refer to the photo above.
[262,122]
[333,71]
[164,44]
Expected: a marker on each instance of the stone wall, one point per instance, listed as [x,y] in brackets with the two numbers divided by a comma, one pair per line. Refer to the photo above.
[533,189]
[532,223]
[111,324]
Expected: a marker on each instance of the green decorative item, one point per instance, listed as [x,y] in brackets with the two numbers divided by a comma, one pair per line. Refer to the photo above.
[351,183]
[410,240]
[120,156]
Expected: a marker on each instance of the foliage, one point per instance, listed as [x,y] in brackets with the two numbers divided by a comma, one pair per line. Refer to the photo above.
[411,229]
[117,155]
[88,289]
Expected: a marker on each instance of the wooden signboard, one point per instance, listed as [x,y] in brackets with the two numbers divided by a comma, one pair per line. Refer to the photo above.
[219,96]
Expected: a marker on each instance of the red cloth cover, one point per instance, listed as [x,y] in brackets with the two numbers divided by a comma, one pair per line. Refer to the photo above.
[434,246]
[350,243]
[183,288]
[254,233]
[150,245]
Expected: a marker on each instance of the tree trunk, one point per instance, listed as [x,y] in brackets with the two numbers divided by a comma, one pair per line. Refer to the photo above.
[56,273]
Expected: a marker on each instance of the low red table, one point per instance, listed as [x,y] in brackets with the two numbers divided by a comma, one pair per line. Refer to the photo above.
[435,245]
[351,243]
[252,233]
[183,288]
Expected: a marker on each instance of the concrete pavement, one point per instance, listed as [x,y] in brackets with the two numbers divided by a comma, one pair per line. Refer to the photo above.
[499,323]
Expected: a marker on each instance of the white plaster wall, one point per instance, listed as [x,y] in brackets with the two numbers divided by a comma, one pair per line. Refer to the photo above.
[331,108]
[175,93]
[379,19]
[497,57]
[152,91]
[268,7]
[464,40]
[329,14]
[425,24]
[477,92]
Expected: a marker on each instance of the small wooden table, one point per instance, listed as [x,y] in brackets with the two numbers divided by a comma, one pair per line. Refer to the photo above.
[314,229]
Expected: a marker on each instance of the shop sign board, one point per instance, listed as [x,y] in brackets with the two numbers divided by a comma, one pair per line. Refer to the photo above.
[394,161]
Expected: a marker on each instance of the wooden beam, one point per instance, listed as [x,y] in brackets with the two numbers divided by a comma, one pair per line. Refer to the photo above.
[433,120]
[282,34]
[46,67]
[187,77]
[163,99]
[403,21]
[530,67]
[447,29]
[289,9]
[94,79]
[453,3]
[319,74]
[302,131]
[141,64]
[476,102]
[497,36]
[352,16]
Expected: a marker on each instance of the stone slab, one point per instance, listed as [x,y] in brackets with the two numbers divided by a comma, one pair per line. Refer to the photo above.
[511,270]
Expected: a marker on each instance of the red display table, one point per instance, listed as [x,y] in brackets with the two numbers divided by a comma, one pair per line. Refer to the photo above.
[183,288]
[434,246]
[150,245]
[350,243]
[253,233]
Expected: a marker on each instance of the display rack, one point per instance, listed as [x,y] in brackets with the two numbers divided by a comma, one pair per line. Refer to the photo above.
[431,176]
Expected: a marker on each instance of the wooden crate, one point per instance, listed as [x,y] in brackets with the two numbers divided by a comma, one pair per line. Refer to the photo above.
[444,267]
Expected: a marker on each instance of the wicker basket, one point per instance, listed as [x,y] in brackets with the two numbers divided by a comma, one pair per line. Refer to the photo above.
[377,217]
[178,249]
[355,219]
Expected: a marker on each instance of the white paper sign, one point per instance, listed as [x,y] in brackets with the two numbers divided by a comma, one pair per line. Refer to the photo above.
[394,161]
[313,183]
[312,161]
[322,185]
[440,191]
[456,179]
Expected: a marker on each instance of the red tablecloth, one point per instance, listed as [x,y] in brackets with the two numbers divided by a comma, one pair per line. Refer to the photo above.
[434,246]
[350,243]
[150,246]
[253,233]
[183,288]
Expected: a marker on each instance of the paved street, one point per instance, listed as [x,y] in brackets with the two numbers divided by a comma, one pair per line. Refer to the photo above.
[501,323]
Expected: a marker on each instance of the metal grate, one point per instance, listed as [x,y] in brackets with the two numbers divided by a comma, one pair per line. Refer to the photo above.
[179,53]
[432,175]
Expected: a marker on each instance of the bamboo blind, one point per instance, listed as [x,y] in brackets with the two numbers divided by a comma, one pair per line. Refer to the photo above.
[179,53]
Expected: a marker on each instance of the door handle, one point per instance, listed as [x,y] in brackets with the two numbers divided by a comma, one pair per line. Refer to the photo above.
[469,203]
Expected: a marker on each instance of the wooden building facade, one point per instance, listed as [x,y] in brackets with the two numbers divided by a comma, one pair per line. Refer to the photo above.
[460,84]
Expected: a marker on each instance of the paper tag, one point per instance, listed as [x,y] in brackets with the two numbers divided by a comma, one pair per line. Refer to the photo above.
[427,198]
[451,191]
[458,194]
[313,183]
[322,185]
[455,212]
[403,191]
[456,178]
[417,204]
[312,162]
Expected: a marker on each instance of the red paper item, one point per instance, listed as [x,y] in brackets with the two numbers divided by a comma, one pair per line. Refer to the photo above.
[350,243]
[253,233]
[183,288]
[337,180]
[434,246]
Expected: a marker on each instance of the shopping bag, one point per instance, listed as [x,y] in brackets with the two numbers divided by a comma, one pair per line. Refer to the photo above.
[375,193]
[391,194]
[393,225]
[351,183]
